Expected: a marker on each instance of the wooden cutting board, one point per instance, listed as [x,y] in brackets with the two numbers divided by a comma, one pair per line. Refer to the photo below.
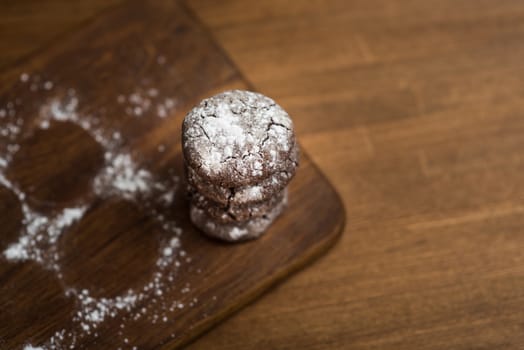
[97,249]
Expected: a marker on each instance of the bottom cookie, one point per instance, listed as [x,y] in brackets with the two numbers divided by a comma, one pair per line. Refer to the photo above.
[238,231]
[234,213]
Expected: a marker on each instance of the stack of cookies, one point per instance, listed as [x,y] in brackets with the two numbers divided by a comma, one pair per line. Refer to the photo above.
[240,154]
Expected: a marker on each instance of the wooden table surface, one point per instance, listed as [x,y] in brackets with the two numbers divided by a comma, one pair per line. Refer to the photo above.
[415,111]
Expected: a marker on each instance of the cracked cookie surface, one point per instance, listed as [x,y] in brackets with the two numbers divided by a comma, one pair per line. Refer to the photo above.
[235,231]
[246,194]
[238,138]
[230,212]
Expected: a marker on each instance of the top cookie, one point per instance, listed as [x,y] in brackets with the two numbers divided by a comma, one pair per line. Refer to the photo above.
[238,138]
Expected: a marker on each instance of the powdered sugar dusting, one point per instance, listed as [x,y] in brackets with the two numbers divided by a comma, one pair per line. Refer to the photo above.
[238,130]
[237,233]
[96,310]
[142,101]
[65,109]
[123,176]
[12,127]
[40,235]
[30,347]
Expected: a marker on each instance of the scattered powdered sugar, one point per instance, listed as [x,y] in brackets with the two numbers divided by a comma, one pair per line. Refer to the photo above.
[142,101]
[95,310]
[24,77]
[66,218]
[121,176]
[30,347]
[12,126]
[64,109]
[167,253]
[40,235]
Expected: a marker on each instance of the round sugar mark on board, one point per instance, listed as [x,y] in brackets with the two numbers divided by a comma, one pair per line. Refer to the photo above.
[30,294]
[12,216]
[55,166]
[107,252]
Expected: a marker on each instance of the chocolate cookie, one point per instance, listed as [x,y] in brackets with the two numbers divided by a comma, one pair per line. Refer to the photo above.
[240,153]
[238,138]
[240,195]
[236,213]
[236,231]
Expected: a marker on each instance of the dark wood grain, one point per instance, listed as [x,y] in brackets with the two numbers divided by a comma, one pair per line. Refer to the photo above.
[115,245]
[27,26]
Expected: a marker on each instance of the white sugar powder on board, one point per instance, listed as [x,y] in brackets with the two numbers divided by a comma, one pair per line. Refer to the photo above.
[120,176]
[65,109]
[39,232]
[64,219]
[142,101]
[31,347]
[24,77]
[95,310]
[65,112]
[167,253]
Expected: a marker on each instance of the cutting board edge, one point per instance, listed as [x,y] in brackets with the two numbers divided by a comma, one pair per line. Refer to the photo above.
[307,258]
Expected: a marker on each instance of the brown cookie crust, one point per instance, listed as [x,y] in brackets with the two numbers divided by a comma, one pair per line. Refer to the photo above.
[244,195]
[238,138]
[231,213]
[238,231]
